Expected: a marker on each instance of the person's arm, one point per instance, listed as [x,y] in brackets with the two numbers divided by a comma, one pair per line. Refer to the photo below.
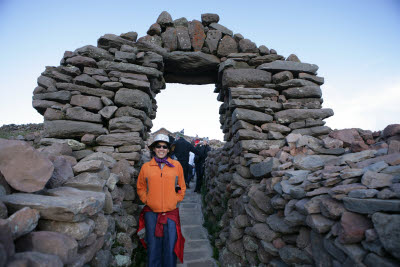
[181,182]
[142,186]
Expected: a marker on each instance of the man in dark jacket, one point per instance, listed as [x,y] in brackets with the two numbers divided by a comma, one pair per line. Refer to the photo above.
[200,160]
[181,152]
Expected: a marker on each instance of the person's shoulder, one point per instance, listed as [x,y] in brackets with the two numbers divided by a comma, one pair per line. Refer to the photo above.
[147,164]
[174,162]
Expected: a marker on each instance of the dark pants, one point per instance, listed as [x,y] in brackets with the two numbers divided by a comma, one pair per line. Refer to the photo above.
[160,250]
[200,175]
[185,167]
[190,172]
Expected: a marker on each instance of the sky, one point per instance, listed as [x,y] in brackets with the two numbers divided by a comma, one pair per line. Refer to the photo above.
[354,43]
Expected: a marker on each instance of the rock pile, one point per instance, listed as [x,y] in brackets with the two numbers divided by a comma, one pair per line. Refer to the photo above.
[285,188]
[327,201]
[73,213]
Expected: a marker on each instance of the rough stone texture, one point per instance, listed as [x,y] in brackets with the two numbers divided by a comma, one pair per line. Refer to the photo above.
[197,35]
[292,115]
[24,168]
[227,46]
[262,169]
[292,66]
[23,221]
[36,259]
[387,228]
[183,38]
[212,40]
[353,227]
[247,77]
[370,206]
[133,98]
[52,243]
[75,230]
[6,238]
[376,180]
[65,208]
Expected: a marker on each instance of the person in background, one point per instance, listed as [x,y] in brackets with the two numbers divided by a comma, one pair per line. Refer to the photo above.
[181,152]
[161,186]
[201,156]
[196,140]
[191,166]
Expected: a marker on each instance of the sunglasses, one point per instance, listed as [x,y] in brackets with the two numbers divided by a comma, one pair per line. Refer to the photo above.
[160,146]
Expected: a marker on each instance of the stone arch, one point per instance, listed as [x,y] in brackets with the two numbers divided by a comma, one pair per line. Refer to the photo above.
[102,99]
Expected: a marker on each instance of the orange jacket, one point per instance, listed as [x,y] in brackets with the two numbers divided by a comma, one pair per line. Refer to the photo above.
[156,187]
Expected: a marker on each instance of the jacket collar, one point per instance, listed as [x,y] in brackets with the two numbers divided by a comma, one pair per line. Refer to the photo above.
[154,163]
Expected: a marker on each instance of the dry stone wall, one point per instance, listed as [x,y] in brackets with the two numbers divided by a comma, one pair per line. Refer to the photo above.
[284,190]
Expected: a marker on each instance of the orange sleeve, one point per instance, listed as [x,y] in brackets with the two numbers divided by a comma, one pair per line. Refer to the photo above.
[142,185]
[181,181]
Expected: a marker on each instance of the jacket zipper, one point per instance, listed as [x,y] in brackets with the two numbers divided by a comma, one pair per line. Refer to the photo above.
[162,192]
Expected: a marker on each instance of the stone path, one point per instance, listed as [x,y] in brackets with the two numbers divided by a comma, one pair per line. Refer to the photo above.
[198,250]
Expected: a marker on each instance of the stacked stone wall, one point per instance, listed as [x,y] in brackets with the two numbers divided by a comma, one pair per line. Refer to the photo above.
[283,190]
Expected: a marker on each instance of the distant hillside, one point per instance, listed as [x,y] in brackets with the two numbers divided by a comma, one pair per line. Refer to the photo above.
[22,131]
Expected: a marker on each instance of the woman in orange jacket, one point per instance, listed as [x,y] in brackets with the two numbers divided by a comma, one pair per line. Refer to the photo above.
[161,186]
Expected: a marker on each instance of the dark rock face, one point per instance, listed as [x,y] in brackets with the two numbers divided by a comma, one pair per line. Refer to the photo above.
[197,35]
[388,231]
[227,46]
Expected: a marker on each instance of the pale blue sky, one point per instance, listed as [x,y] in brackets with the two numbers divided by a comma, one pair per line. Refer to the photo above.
[354,43]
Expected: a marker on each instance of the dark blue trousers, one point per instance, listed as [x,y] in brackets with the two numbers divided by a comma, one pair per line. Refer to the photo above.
[160,250]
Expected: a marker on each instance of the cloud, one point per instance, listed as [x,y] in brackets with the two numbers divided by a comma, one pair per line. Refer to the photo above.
[371,109]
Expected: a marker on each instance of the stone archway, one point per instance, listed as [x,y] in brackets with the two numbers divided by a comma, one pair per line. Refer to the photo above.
[102,99]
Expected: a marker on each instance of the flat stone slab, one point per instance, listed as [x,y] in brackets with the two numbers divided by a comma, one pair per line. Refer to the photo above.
[63,208]
[370,206]
[194,232]
[281,65]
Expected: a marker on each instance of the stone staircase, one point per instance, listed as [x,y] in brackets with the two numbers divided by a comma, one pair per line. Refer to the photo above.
[198,250]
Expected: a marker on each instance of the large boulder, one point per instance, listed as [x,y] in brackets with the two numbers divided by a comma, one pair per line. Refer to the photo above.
[23,167]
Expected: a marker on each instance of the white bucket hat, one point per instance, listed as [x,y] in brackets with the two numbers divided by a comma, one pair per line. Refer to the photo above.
[160,138]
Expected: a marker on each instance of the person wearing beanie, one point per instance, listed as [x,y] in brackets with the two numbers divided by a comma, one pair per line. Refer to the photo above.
[161,186]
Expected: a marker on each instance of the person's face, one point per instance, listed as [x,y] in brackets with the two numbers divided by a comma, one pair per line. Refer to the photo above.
[204,142]
[161,150]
